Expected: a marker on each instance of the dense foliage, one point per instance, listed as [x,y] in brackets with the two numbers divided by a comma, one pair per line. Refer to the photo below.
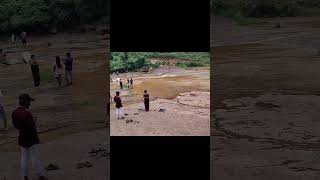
[40,15]
[132,61]
[263,8]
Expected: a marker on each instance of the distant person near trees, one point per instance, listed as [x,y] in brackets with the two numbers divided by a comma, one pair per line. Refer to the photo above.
[28,140]
[35,70]
[24,39]
[119,111]
[68,62]
[146,100]
[58,71]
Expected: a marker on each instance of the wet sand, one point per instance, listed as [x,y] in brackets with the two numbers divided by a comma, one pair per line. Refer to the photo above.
[266,99]
[166,87]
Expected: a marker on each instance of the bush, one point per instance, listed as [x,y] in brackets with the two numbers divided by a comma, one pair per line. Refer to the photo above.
[40,15]
[256,8]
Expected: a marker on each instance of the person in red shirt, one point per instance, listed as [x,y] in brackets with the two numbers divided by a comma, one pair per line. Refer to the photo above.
[117,100]
[28,140]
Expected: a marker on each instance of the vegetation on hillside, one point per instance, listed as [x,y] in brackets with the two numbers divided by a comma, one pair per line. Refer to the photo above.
[242,9]
[132,61]
[41,15]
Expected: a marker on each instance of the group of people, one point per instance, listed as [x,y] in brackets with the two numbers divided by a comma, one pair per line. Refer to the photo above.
[57,68]
[23,119]
[119,107]
[129,83]
[22,37]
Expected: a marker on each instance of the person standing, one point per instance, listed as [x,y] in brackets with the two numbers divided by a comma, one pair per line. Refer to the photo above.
[3,57]
[128,83]
[24,39]
[131,82]
[68,62]
[108,111]
[35,70]
[28,140]
[121,86]
[146,100]
[57,69]
[13,38]
[3,116]
[117,100]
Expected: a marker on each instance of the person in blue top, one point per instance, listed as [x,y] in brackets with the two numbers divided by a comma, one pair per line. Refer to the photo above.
[68,61]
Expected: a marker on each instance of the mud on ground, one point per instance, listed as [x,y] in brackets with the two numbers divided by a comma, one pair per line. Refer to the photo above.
[265,99]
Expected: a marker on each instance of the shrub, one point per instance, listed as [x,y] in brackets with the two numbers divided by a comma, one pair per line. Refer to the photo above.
[40,15]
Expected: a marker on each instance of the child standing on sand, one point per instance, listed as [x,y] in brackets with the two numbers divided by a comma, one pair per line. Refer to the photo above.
[117,100]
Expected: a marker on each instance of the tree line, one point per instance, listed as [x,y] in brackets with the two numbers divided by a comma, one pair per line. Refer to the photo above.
[42,15]
[265,8]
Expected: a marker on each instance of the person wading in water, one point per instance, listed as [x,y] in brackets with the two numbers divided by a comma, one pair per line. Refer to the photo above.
[35,70]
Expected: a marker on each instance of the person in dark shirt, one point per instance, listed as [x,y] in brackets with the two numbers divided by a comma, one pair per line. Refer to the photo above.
[108,111]
[35,70]
[3,57]
[28,140]
[121,86]
[131,82]
[24,39]
[3,117]
[117,100]
[68,62]
[146,100]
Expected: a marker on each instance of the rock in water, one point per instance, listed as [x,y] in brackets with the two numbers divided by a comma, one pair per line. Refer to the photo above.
[162,110]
